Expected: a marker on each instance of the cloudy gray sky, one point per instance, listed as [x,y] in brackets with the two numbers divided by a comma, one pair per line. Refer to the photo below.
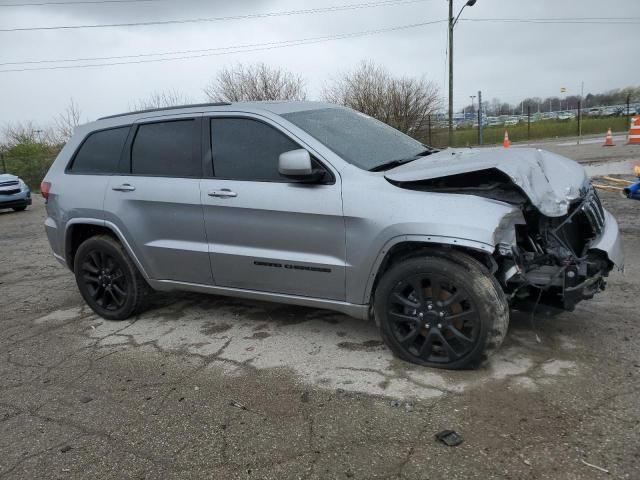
[505,60]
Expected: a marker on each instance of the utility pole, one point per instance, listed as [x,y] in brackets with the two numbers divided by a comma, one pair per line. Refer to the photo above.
[479,117]
[579,119]
[4,165]
[450,73]
[580,112]
[452,24]
[528,122]
[628,101]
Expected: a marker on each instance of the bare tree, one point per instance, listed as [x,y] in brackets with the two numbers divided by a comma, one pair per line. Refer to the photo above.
[253,83]
[67,121]
[402,102]
[27,133]
[365,89]
[161,99]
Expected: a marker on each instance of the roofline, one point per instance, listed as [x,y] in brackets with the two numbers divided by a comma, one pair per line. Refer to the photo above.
[162,109]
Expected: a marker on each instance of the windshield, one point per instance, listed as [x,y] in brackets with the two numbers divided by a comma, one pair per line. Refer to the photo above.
[357,138]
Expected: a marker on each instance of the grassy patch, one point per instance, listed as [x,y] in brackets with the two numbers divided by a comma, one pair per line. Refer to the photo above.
[539,130]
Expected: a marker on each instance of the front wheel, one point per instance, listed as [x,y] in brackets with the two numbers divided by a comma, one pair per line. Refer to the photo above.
[107,278]
[19,209]
[443,311]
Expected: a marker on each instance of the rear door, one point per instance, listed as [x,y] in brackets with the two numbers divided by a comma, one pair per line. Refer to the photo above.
[265,232]
[155,200]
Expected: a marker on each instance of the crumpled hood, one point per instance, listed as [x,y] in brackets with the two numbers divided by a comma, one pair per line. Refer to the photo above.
[550,181]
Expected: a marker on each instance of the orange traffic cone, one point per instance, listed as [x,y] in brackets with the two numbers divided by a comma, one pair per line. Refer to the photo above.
[634,131]
[608,142]
[506,143]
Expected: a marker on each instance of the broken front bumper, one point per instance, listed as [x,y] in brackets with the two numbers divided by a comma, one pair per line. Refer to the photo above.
[610,242]
[563,286]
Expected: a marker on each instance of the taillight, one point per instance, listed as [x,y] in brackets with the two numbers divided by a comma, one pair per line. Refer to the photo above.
[44,189]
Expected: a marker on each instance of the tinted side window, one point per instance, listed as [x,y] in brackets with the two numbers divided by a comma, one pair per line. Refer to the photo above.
[166,149]
[100,152]
[245,149]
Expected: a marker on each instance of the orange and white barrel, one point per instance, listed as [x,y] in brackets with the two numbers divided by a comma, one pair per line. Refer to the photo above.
[634,131]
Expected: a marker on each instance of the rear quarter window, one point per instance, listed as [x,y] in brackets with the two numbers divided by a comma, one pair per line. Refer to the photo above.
[166,149]
[100,152]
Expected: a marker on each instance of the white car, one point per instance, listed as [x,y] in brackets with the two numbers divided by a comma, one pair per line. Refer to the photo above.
[566,116]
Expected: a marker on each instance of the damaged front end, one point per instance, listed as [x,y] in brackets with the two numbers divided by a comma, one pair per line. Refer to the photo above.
[558,246]
[551,260]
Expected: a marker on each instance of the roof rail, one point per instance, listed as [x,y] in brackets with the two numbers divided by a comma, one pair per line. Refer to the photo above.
[176,107]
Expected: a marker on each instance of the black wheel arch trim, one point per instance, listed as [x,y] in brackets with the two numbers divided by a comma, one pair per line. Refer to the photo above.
[78,222]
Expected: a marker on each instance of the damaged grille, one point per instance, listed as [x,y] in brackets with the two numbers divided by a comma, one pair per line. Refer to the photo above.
[592,208]
[584,222]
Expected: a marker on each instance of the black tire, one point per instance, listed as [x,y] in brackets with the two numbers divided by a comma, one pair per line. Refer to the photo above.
[456,327]
[19,209]
[107,279]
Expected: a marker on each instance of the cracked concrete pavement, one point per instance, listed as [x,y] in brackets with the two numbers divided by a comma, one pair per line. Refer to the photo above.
[210,387]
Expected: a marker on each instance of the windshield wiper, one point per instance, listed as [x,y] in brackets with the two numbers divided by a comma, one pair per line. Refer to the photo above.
[401,161]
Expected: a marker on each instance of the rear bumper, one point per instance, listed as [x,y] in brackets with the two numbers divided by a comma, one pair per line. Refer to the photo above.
[16,200]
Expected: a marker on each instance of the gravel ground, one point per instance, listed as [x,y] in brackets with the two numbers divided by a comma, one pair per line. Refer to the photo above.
[208,387]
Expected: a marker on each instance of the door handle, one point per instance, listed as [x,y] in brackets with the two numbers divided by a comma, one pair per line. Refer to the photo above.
[224,193]
[125,187]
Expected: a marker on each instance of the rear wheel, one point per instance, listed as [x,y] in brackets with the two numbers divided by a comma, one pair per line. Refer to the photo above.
[443,311]
[107,278]
[19,209]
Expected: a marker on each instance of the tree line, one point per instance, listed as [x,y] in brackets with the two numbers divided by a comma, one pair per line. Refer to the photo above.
[617,96]
[403,102]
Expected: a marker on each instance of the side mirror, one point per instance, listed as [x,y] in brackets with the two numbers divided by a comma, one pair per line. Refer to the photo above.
[296,165]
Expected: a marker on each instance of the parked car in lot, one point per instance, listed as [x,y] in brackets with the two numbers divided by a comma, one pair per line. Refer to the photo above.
[312,204]
[594,112]
[612,111]
[14,193]
[566,115]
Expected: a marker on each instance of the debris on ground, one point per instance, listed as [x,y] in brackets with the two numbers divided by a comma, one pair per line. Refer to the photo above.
[449,438]
[604,470]
[233,403]
[65,449]
[396,403]
[85,399]
[304,398]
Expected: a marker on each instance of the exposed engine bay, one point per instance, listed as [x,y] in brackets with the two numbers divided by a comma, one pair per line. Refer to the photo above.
[539,259]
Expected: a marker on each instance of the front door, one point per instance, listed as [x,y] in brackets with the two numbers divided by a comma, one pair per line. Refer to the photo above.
[155,200]
[265,232]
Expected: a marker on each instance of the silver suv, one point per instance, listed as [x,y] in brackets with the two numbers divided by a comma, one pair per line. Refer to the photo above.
[313,204]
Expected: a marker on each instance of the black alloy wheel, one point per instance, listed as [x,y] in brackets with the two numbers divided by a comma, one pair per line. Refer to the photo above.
[108,279]
[442,309]
[433,319]
[105,280]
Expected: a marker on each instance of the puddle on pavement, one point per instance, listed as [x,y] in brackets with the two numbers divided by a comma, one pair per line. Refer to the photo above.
[624,167]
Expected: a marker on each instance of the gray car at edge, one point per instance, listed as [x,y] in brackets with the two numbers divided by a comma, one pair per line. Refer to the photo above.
[318,205]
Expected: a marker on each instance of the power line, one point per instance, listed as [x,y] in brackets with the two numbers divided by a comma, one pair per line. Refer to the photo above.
[87,2]
[233,49]
[182,52]
[308,11]
[561,21]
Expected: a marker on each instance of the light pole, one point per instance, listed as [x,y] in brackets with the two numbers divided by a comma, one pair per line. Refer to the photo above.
[452,23]
[472,97]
